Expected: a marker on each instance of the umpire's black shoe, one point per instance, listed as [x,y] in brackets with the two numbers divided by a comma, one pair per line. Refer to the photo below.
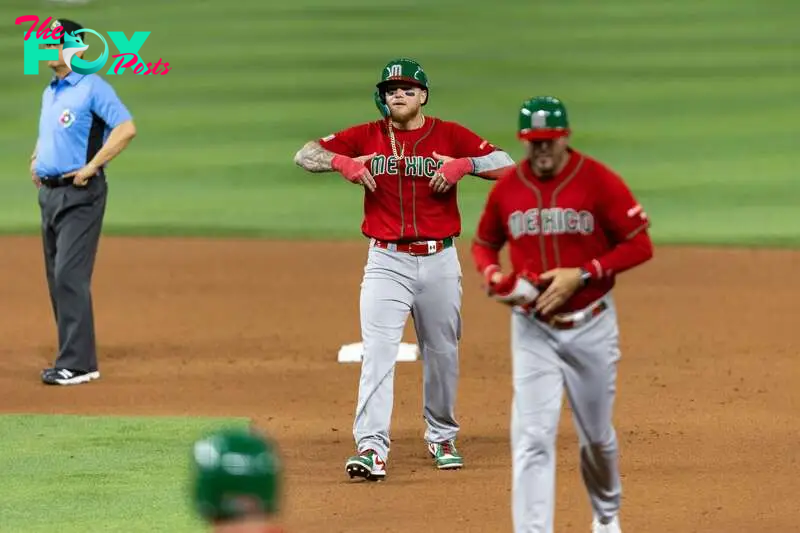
[63,376]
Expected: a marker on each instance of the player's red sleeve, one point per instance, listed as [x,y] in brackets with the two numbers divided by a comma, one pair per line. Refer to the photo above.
[626,223]
[468,143]
[347,142]
[490,236]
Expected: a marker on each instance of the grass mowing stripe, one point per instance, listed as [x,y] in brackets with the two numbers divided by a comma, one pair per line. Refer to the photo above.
[98,474]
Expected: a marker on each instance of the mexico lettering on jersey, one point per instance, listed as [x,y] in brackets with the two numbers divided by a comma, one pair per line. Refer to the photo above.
[415,166]
[553,221]
[403,206]
[573,220]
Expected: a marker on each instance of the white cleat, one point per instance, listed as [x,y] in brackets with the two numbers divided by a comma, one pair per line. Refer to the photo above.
[611,527]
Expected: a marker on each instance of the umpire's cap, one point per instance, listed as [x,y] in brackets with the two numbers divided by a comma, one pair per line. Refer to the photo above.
[70,26]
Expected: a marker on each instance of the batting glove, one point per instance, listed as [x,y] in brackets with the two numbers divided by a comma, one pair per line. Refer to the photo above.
[353,170]
[455,169]
[516,289]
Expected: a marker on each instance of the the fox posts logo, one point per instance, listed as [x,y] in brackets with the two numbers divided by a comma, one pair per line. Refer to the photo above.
[74,44]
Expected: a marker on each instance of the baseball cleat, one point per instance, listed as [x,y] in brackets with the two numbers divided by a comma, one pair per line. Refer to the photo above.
[63,376]
[368,465]
[445,455]
[610,527]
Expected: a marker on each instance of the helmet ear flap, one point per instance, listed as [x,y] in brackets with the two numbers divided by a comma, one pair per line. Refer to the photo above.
[380,103]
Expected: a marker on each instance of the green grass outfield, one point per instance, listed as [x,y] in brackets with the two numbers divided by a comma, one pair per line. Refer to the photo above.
[695,103]
[135,471]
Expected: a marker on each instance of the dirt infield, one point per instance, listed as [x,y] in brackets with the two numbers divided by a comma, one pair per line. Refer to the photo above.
[707,409]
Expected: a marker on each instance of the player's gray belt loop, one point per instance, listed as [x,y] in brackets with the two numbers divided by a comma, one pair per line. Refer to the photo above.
[373,243]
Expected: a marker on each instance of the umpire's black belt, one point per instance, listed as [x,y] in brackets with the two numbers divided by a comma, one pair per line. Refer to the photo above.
[52,182]
[56,181]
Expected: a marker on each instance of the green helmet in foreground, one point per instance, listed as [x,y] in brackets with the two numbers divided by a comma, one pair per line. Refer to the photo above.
[400,69]
[542,118]
[236,473]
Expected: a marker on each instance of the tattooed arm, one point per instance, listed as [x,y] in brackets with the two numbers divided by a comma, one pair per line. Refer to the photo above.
[314,158]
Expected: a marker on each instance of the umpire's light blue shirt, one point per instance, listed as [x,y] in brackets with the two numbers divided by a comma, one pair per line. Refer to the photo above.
[78,113]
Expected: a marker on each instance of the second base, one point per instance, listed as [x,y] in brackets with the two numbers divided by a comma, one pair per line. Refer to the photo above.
[353,353]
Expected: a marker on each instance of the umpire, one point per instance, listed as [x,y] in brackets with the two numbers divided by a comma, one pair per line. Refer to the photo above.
[82,126]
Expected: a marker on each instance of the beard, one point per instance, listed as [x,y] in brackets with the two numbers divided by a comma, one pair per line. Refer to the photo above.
[544,164]
[403,113]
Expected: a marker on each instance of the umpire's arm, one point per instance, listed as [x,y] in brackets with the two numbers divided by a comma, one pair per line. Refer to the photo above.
[107,105]
[117,141]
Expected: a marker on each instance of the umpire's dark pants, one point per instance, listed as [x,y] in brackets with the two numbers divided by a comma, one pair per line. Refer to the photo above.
[72,218]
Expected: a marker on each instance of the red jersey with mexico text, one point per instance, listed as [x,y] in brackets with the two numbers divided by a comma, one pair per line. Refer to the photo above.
[575,219]
[403,207]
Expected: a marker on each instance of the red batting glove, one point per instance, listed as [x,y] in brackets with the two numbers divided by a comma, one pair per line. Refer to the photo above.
[505,285]
[488,272]
[517,289]
[456,169]
[354,169]
[348,167]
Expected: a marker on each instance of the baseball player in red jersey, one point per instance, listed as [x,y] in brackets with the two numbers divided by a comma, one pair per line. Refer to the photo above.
[409,165]
[572,225]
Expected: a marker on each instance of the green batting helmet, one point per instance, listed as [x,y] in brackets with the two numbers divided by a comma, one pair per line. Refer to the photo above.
[542,118]
[236,472]
[381,104]
[400,69]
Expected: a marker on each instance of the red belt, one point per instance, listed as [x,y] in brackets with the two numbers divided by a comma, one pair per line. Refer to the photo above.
[414,248]
[578,318]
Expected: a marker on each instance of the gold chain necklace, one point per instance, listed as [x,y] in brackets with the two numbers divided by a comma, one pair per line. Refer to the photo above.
[393,140]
